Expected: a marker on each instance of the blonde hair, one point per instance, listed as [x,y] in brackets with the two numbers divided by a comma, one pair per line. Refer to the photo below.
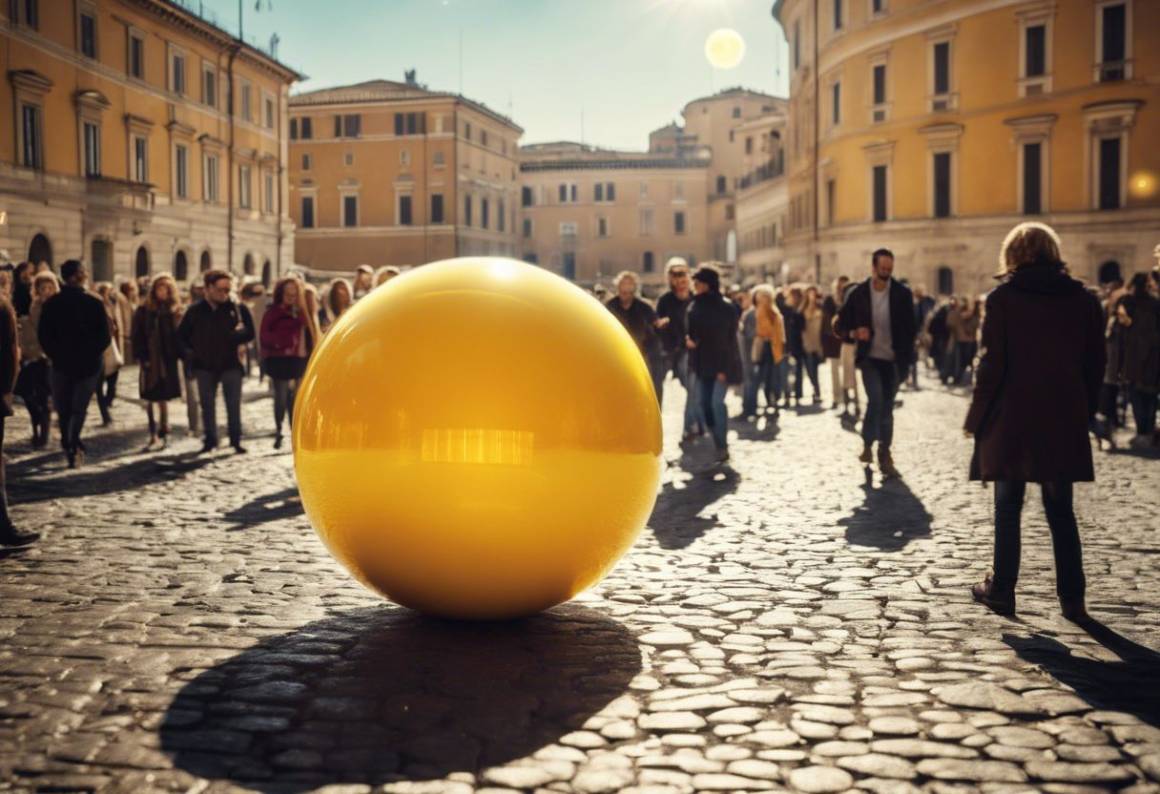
[622,275]
[1027,243]
[768,291]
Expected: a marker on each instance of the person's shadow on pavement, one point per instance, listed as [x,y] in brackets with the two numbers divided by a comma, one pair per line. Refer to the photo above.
[384,694]
[889,517]
[1129,685]
[676,519]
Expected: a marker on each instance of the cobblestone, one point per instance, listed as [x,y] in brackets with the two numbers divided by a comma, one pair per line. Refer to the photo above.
[789,621]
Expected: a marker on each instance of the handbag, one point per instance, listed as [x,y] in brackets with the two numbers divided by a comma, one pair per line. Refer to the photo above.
[113,360]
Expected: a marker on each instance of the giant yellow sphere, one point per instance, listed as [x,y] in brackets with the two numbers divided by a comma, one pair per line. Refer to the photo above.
[477,438]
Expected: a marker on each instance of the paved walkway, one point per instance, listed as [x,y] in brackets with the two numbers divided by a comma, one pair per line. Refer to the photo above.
[787,623]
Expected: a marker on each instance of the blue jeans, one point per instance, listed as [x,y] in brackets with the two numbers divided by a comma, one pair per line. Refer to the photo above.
[207,383]
[1057,504]
[880,378]
[71,397]
[688,379]
[764,376]
[713,400]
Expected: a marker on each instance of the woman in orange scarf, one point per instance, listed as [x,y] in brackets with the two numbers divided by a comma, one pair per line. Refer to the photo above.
[768,347]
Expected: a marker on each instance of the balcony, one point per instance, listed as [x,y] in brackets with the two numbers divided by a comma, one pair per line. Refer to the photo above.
[771,170]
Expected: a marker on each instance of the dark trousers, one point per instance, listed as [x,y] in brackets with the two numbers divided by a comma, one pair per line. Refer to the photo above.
[71,395]
[880,378]
[1144,410]
[106,393]
[1069,578]
[5,521]
[284,393]
[231,383]
[796,361]
[811,360]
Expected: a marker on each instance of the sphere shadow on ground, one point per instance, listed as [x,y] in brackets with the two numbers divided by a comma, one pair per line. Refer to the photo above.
[381,694]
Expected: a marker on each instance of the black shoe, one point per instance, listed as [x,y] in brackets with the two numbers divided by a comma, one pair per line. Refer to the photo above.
[1001,603]
[886,464]
[1074,610]
[71,456]
[722,456]
[238,448]
[278,441]
[11,536]
[207,447]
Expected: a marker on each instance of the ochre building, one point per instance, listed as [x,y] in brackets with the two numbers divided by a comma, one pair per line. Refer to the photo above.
[933,127]
[140,138]
[761,200]
[389,173]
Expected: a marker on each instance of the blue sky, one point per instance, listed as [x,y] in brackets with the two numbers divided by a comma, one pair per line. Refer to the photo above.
[627,66]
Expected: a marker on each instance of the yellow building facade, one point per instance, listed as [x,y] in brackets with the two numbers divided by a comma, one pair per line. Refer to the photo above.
[589,213]
[932,127]
[762,199]
[140,138]
[389,173]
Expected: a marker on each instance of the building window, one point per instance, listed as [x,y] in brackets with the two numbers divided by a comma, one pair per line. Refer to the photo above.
[1109,154]
[269,113]
[32,137]
[140,159]
[877,7]
[177,73]
[88,34]
[467,130]
[181,170]
[1032,178]
[647,221]
[436,208]
[348,158]
[31,12]
[293,129]
[484,213]
[308,212]
[244,187]
[210,166]
[678,190]
[878,177]
[268,194]
[209,87]
[1112,27]
[527,228]
[946,281]
[679,222]
[307,162]
[350,210]
[722,185]
[602,227]
[467,207]
[306,128]
[501,216]
[730,212]
[569,193]
[940,75]
[831,191]
[527,197]
[405,218]
[136,56]
[410,123]
[438,160]
[483,138]
[878,75]
[836,103]
[92,138]
[1035,43]
[838,14]
[247,101]
[942,184]
[647,262]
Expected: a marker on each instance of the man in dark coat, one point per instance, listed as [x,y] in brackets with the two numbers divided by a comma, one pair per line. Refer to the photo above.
[1036,388]
[716,357]
[74,332]
[640,320]
[210,334]
[672,312]
[879,315]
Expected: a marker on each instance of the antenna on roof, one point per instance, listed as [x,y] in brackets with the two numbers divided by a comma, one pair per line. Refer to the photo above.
[461,61]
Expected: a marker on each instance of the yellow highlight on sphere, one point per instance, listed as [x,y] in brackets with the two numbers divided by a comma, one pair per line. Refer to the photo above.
[1142,185]
[477,438]
[724,48]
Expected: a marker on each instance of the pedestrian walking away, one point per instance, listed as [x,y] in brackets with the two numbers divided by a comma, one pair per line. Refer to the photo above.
[1036,389]
[34,383]
[9,361]
[74,332]
[212,334]
[879,316]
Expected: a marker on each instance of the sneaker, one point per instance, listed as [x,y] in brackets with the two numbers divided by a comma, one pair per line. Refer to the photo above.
[886,464]
[11,536]
[986,594]
[867,456]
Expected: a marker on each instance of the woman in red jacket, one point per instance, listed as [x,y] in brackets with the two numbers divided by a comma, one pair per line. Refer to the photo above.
[288,336]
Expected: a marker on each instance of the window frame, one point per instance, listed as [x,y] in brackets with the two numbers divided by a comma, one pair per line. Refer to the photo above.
[174,54]
[211,177]
[946,101]
[269,110]
[180,171]
[313,199]
[1034,85]
[139,165]
[133,35]
[344,197]
[36,145]
[88,9]
[404,199]
[680,223]
[245,186]
[437,218]
[90,148]
[209,84]
[1098,68]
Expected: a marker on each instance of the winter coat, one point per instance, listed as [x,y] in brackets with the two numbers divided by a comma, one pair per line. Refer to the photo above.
[1140,367]
[154,343]
[1037,380]
[210,336]
[713,327]
[857,312]
[831,342]
[74,332]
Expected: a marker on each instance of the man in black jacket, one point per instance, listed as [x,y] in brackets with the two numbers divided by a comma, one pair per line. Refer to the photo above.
[716,356]
[640,320]
[673,311]
[74,332]
[210,334]
[879,314]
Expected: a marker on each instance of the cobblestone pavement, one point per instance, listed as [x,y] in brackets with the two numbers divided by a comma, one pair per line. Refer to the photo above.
[787,623]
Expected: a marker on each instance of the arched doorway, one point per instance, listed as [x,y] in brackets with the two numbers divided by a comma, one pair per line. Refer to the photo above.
[267,273]
[248,265]
[102,259]
[40,250]
[180,266]
[206,261]
[141,266]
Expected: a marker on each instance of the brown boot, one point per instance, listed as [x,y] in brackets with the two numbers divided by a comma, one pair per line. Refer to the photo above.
[1001,603]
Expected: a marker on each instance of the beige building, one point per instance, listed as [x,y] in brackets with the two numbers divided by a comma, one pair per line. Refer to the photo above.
[932,128]
[588,213]
[761,200]
[141,138]
[388,173]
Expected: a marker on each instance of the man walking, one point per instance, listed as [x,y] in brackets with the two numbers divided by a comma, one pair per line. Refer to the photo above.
[640,320]
[879,315]
[211,334]
[716,357]
[672,312]
[74,332]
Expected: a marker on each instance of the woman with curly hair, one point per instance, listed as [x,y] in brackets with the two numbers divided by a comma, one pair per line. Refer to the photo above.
[155,345]
[288,335]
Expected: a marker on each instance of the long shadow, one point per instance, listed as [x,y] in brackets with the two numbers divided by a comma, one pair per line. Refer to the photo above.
[676,519]
[101,443]
[1128,685]
[383,694]
[766,428]
[96,482]
[889,517]
[266,508]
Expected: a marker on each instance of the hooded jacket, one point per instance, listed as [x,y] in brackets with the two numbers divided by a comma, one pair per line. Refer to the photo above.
[1037,379]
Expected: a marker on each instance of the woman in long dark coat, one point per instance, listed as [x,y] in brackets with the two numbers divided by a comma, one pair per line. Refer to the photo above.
[155,345]
[1036,389]
[1139,316]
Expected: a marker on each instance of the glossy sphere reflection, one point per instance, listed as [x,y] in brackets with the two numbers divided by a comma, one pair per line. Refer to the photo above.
[477,438]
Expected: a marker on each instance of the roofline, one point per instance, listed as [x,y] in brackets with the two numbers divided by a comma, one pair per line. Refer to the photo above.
[724,94]
[639,163]
[223,36]
[299,101]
